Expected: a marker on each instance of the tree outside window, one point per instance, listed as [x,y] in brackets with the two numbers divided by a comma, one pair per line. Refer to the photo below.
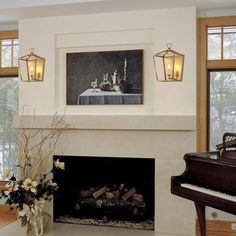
[8,97]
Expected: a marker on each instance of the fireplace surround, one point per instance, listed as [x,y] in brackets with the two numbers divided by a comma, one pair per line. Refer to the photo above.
[163,137]
[106,191]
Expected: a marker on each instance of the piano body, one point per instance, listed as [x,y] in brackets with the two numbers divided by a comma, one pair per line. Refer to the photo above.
[209,180]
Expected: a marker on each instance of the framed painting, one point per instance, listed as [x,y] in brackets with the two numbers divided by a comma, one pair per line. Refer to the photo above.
[107,77]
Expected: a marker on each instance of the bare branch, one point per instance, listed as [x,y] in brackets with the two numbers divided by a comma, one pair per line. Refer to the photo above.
[36,146]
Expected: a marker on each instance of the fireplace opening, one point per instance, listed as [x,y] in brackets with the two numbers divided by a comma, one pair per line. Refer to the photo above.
[106,191]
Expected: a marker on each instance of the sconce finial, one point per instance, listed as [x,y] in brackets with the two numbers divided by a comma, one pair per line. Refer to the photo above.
[169,45]
[31,51]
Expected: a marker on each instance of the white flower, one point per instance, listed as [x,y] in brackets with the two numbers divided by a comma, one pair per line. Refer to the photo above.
[11,187]
[7,192]
[7,174]
[29,184]
[24,211]
[59,165]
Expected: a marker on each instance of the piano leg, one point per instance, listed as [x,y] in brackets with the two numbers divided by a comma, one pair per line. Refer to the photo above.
[201,217]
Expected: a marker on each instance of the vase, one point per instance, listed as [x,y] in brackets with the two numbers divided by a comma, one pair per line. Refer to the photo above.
[23,229]
[32,226]
[23,226]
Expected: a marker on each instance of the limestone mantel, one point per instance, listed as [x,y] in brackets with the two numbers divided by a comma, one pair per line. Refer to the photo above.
[112,122]
[165,138]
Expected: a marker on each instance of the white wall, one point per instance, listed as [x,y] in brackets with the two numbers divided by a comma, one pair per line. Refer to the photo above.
[216,12]
[177,26]
[167,106]
[10,26]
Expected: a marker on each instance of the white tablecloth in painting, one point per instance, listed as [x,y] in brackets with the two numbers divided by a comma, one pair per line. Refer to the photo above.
[108,97]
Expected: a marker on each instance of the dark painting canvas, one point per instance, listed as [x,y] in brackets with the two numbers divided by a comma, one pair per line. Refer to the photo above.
[109,77]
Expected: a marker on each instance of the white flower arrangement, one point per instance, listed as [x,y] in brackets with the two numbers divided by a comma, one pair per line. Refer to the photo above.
[28,192]
[28,197]
[19,193]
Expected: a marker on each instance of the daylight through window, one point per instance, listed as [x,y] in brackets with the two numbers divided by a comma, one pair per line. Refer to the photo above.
[222,83]
[8,98]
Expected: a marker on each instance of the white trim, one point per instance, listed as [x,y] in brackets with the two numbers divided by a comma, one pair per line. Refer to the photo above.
[124,37]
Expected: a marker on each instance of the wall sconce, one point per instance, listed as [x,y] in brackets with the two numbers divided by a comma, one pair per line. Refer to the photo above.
[171,63]
[31,67]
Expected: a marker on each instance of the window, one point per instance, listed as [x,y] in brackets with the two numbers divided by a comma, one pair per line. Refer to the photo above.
[9,52]
[8,108]
[214,43]
[222,105]
[9,45]
[216,80]
[221,43]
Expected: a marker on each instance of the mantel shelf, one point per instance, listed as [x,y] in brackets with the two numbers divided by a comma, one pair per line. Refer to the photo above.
[112,122]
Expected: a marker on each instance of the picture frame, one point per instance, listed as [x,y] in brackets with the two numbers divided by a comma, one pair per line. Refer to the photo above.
[104,78]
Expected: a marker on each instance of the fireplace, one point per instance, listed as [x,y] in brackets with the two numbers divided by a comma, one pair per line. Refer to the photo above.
[106,191]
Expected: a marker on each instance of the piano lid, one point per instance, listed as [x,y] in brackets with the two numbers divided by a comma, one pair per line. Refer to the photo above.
[213,158]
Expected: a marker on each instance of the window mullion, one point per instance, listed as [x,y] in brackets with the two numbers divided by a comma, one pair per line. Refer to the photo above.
[221,64]
[12,53]
[0,53]
[222,43]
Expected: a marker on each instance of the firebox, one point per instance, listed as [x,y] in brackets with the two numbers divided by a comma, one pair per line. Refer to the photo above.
[106,191]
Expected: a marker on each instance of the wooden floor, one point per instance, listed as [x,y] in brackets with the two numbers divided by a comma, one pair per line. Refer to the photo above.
[6,216]
[6,219]
[217,228]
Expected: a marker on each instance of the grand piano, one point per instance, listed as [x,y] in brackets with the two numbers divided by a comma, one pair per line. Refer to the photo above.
[209,179]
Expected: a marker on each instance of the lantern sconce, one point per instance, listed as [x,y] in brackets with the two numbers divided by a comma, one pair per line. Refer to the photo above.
[170,63]
[31,67]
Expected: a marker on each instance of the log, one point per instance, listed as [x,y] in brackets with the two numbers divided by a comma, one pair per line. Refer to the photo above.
[86,193]
[138,197]
[129,194]
[117,194]
[99,192]
[110,195]
[121,187]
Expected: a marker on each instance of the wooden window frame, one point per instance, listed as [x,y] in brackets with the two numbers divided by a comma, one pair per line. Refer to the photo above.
[8,71]
[204,65]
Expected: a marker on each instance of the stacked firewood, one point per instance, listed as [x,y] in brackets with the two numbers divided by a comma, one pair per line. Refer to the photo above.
[116,192]
[114,197]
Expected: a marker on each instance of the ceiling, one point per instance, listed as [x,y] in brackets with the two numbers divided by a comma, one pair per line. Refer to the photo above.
[13,10]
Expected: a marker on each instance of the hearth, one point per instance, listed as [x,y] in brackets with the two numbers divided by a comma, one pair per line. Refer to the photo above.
[107,191]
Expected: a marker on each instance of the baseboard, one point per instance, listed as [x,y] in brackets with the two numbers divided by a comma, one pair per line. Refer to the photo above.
[217,228]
